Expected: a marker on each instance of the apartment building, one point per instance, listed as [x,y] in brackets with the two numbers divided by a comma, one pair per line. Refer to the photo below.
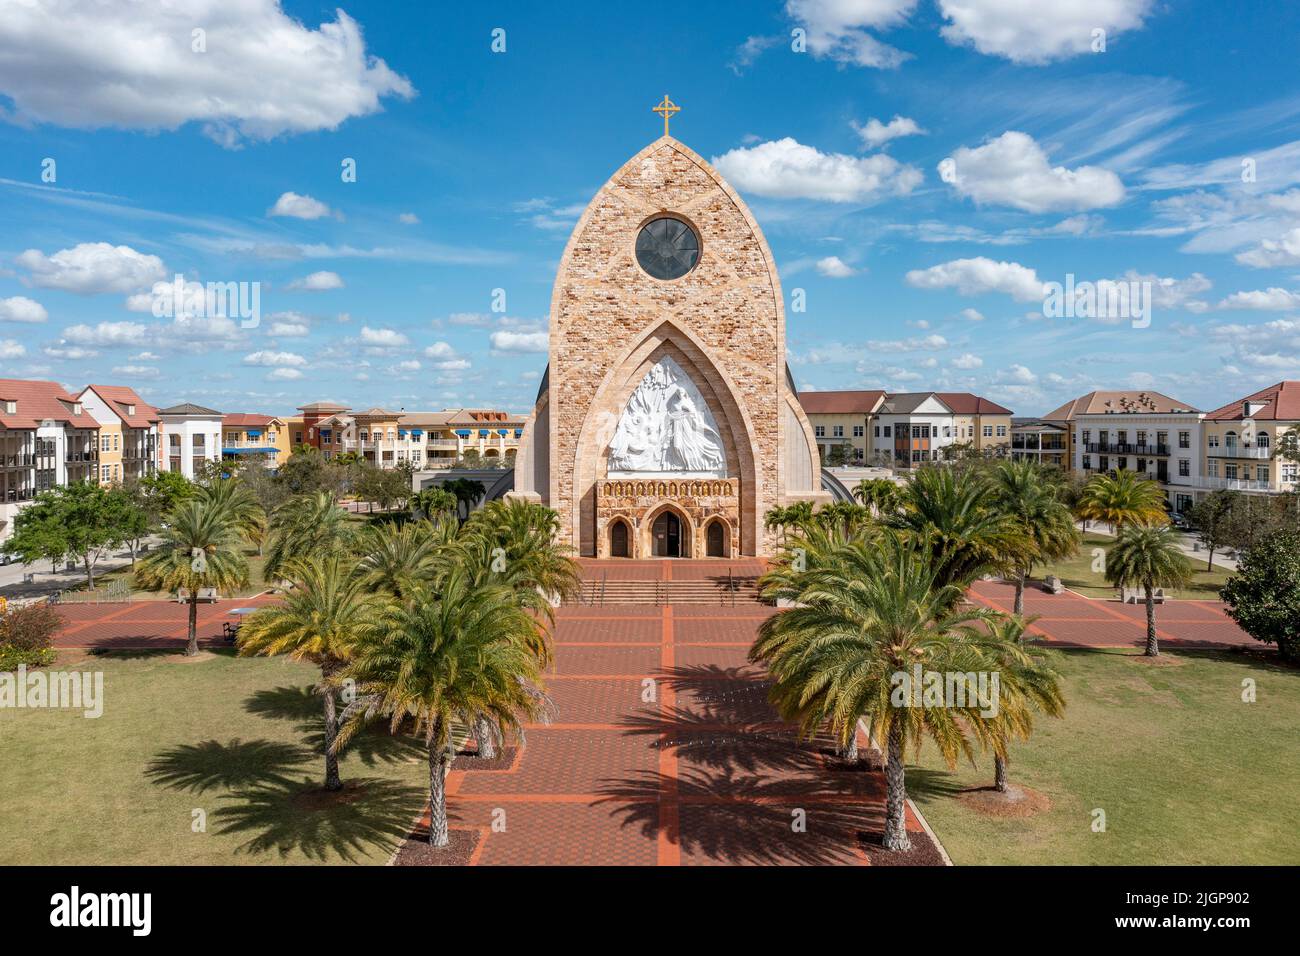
[128,432]
[842,418]
[47,438]
[1036,439]
[910,428]
[1242,437]
[1142,431]
[428,440]
[264,438]
[191,435]
[313,415]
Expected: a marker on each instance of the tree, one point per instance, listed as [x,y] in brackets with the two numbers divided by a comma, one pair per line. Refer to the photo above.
[1026,686]
[1148,557]
[1288,445]
[83,519]
[307,472]
[1122,499]
[441,658]
[866,614]
[881,495]
[468,493]
[319,622]
[1045,528]
[1263,597]
[200,550]
[1211,517]
[433,502]
[305,525]
[396,557]
[837,455]
[947,512]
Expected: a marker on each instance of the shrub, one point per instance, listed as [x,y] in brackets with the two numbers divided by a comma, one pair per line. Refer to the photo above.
[1263,597]
[11,657]
[30,628]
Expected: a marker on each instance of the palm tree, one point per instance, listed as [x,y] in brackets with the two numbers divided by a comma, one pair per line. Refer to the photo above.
[433,501]
[948,512]
[1026,685]
[467,491]
[1149,557]
[881,495]
[305,525]
[847,515]
[396,556]
[866,613]
[200,549]
[1121,499]
[1045,528]
[318,622]
[516,544]
[232,496]
[443,658]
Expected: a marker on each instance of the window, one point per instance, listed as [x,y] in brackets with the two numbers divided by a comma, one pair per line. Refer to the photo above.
[199,442]
[1212,441]
[1087,436]
[947,431]
[887,428]
[1122,463]
[667,248]
[104,443]
[837,431]
[1087,461]
[175,441]
[1141,437]
[878,431]
[1212,467]
[1002,431]
[1229,469]
[1184,439]
[988,431]
[11,408]
[1184,468]
[297,438]
[1103,463]
[859,431]
[818,430]
[1261,473]
[116,439]
[1262,439]
[1290,472]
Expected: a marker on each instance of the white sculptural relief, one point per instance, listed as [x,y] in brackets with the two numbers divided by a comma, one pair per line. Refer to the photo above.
[667,429]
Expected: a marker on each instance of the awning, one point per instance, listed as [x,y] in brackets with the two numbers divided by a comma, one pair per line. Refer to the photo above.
[483,433]
[463,432]
[503,431]
[254,433]
[518,432]
[415,432]
[265,450]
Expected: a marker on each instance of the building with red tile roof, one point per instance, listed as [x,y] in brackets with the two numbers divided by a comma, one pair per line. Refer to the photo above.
[129,446]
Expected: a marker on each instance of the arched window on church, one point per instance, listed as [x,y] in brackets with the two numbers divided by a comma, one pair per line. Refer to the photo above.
[715,539]
[618,540]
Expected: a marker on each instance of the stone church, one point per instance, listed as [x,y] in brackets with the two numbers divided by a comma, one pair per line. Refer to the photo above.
[667,423]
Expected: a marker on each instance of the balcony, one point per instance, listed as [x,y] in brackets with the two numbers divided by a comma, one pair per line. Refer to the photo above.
[1241,451]
[1231,484]
[75,457]
[1118,448]
[18,461]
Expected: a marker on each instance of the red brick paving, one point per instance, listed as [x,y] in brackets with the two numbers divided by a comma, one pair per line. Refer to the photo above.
[139,625]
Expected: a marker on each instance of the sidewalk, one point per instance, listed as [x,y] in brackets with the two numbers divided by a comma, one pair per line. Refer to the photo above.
[45,584]
[1187,543]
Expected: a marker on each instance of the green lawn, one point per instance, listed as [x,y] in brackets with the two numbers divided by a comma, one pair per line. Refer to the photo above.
[237,738]
[256,583]
[1078,574]
[1185,771]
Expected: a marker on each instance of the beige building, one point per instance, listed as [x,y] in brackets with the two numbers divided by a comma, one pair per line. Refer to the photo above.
[428,440]
[129,446]
[1241,441]
[842,418]
[264,438]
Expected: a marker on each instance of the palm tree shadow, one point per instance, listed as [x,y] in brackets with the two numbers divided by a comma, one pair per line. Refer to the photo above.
[302,705]
[211,765]
[369,813]
[749,826]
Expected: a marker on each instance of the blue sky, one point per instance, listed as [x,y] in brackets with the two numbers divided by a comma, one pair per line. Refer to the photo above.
[224,164]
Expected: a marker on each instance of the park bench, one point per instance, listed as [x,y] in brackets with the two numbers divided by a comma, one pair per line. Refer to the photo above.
[1052,585]
[1139,595]
[205,594]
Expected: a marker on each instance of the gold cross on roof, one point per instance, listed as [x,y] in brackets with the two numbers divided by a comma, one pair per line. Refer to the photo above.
[667,108]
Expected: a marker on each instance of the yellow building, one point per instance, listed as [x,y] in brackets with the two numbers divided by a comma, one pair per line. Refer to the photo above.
[428,440]
[842,418]
[128,432]
[1241,441]
[263,438]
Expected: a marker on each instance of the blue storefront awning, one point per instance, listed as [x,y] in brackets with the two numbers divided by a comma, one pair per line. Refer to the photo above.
[416,433]
[266,450]
[483,433]
[463,432]
[503,431]
[518,432]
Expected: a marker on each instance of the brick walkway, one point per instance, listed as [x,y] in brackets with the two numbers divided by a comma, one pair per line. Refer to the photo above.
[138,625]
[1070,620]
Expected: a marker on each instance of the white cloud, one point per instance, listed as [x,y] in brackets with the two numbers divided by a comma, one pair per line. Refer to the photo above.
[833,267]
[108,334]
[146,357]
[9,348]
[1037,32]
[136,371]
[838,29]
[271,359]
[132,65]
[22,309]
[786,169]
[439,350]
[980,275]
[288,325]
[930,343]
[299,207]
[71,353]
[408,365]
[972,315]
[318,282]
[1018,374]
[408,219]
[875,133]
[285,374]
[1273,345]
[967,361]
[92,267]
[383,338]
[1272,299]
[508,341]
[1272,253]
[452,365]
[1013,170]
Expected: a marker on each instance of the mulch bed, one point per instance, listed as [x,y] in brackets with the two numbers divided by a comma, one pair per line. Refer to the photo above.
[923,852]
[504,760]
[415,849]
[869,761]
[1017,803]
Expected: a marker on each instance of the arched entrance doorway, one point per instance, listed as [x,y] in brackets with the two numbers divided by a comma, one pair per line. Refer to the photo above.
[668,536]
[715,540]
[618,540]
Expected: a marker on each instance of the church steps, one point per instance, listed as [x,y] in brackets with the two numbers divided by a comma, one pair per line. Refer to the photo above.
[719,593]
